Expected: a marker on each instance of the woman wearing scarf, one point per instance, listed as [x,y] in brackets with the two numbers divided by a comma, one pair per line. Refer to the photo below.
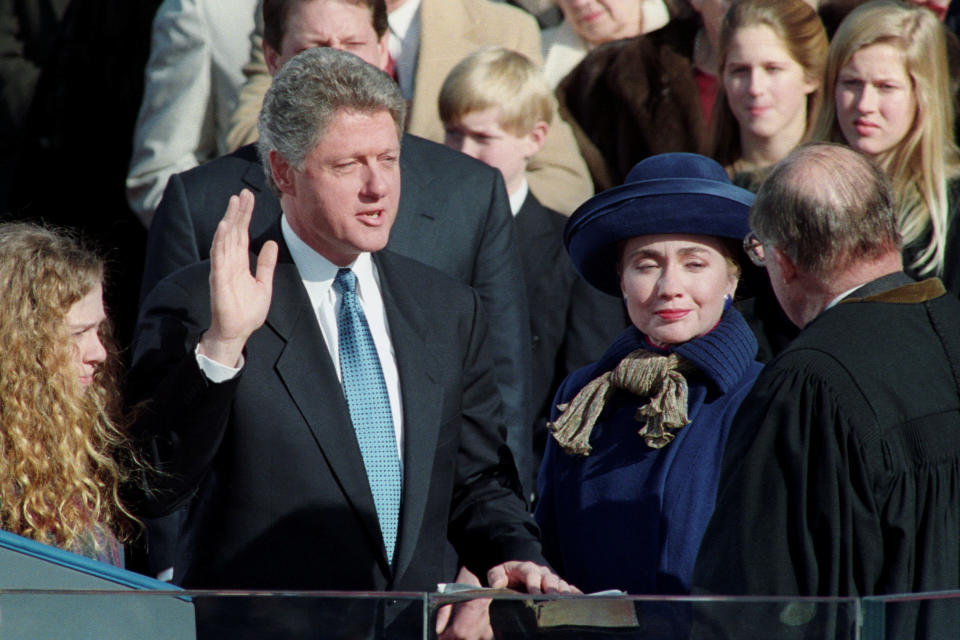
[629,477]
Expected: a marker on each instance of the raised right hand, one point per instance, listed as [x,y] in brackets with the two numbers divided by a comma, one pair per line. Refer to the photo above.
[239,301]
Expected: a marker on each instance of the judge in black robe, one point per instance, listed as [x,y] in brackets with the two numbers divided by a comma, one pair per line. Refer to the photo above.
[841,475]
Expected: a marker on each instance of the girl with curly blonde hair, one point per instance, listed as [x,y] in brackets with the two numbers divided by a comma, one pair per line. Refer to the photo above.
[60,438]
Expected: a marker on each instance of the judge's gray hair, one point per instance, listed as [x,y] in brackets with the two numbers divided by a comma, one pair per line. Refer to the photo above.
[309,91]
[827,207]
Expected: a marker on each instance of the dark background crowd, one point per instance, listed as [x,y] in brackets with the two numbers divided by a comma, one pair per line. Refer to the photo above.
[72,79]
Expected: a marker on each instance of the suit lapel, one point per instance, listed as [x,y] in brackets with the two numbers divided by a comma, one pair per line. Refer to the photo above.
[307,371]
[415,231]
[253,176]
[446,36]
[421,401]
[450,28]
[537,237]
[530,222]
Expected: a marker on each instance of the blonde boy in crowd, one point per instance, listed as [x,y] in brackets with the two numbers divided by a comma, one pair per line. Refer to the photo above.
[496,107]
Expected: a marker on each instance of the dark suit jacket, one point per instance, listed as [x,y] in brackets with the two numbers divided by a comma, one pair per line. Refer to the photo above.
[571,323]
[268,462]
[454,215]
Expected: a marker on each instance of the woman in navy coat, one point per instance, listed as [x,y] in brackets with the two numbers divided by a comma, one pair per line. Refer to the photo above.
[629,478]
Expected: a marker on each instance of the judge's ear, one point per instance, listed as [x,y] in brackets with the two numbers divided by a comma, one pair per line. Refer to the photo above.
[282,172]
[785,265]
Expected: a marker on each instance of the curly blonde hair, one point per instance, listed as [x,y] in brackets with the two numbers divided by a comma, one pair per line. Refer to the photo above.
[59,479]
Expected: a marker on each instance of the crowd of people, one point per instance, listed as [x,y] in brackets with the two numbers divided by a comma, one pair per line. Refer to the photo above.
[664,299]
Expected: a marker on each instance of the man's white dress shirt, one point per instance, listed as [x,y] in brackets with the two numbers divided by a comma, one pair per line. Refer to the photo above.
[317,274]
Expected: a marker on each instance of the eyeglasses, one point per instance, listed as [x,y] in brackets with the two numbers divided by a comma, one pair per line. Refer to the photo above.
[754,248]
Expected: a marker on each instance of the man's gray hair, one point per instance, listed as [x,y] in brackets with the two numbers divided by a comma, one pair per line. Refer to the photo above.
[826,206]
[306,94]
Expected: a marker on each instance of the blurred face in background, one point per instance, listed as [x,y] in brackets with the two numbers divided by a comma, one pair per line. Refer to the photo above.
[329,23]
[766,88]
[599,21]
[875,101]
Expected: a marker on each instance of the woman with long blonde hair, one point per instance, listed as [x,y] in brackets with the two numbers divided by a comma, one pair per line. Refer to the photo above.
[60,435]
[772,54]
[888,96]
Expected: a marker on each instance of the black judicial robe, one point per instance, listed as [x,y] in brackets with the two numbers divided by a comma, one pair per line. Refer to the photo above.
[841,475]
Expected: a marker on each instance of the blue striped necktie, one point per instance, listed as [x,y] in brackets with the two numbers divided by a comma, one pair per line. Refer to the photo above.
[369,405]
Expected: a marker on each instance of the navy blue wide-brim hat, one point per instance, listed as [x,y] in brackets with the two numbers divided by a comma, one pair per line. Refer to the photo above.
[666,193]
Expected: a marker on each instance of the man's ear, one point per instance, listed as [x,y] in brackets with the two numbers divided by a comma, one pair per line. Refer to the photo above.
[536,138]
[384,47]
[786,266]
[272,57]
[282,172]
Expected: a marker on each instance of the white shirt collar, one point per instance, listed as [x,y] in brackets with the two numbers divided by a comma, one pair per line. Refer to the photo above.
[318,273]
[518,197]
[840,297]
[401,19]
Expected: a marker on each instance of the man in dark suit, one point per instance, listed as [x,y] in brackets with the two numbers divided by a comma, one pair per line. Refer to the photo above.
[256,426]
[453,215]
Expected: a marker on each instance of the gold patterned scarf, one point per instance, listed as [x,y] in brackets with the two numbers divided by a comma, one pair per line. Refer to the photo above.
[643,373]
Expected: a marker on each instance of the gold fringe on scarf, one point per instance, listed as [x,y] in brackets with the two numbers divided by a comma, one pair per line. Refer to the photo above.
[643,373]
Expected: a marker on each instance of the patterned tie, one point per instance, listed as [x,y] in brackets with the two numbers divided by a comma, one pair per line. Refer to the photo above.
[369,407]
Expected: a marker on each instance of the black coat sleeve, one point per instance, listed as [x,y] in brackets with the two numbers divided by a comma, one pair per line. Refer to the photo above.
[796,513]
[180,415]
[488,520]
